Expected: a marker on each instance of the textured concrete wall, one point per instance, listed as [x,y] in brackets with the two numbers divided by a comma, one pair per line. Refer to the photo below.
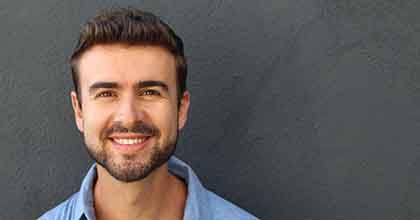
[301,109]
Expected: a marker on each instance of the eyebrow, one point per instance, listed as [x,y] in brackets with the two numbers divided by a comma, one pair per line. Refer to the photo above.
[140,85]
[152,83]
[102,85]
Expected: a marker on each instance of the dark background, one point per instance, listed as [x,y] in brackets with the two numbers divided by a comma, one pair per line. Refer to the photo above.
[301,109]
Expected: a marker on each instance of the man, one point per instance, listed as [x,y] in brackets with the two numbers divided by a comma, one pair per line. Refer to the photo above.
[130,101]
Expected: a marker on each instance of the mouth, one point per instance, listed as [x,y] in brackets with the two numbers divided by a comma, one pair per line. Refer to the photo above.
[129,143]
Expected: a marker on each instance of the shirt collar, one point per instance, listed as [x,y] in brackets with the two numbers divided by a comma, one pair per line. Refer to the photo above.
[84,205]
[197,198]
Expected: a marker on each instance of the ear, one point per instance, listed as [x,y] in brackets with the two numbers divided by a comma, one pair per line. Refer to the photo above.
[77,110]
[183,110]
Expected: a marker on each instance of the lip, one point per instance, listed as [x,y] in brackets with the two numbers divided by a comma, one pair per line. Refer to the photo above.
[127,135]
[128,148]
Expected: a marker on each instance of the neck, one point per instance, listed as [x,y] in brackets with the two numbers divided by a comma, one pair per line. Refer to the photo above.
[160,195]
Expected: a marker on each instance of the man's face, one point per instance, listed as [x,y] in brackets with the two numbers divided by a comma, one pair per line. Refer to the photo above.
[129,114]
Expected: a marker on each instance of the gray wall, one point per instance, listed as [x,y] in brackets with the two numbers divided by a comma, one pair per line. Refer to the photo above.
[301,109]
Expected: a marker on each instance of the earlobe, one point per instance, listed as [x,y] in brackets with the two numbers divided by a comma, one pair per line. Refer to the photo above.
[183,110]
[77,110]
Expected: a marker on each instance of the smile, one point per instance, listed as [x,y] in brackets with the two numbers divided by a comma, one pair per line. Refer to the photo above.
[129,141]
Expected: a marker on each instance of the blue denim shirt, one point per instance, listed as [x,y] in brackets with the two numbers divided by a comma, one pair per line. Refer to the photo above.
[201,204]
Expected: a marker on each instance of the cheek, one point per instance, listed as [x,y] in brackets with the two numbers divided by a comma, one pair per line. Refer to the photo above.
[94,121]
[164,116]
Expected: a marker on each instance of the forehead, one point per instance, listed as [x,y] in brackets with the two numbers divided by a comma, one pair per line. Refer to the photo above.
[126,64]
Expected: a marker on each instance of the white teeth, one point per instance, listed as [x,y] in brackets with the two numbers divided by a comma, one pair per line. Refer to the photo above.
[129,141]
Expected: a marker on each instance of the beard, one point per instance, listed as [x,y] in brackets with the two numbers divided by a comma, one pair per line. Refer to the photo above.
[130,168]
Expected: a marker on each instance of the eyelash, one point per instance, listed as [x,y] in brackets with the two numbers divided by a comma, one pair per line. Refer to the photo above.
[150,92]
[105,94]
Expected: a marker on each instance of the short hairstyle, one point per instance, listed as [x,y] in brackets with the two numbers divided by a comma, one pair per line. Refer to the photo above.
[129,26]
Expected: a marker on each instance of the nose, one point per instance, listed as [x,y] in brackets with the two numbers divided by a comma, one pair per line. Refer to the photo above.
[129,111]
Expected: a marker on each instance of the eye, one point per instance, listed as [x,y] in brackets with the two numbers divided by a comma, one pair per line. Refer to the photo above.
[150,92]
[104,94]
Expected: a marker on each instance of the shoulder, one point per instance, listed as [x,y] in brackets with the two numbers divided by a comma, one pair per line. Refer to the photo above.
[63,211]
[223,209]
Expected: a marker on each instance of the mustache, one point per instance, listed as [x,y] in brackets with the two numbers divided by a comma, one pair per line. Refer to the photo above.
[139,127]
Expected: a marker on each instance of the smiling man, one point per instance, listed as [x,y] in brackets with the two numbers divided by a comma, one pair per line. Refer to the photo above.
[130,101]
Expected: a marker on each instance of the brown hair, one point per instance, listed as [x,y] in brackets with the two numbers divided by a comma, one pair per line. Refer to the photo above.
[132,27]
